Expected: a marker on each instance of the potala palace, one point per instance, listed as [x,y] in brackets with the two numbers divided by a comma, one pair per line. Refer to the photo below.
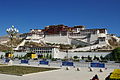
[80,41]
[77,35]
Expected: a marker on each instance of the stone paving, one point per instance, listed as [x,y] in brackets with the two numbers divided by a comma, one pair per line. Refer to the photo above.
[61,74]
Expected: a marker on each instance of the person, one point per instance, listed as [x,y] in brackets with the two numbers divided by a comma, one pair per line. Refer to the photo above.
[95,77]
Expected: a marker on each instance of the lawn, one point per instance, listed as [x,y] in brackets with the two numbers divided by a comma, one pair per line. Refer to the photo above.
[21,70]
[3,64]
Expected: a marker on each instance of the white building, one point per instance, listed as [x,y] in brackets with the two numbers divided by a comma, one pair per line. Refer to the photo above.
[78,35]
[41,51]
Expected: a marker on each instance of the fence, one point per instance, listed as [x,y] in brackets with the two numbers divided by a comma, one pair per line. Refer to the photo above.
[100,65]
[24,61]
[65,63]
[44,62]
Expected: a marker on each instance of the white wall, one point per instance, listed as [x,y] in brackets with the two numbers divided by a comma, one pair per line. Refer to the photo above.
[57,39]
[2,53]
[80,54]
[20,53]
[102,35]
[78,36]
[69,54]
[15,53]
[93,37]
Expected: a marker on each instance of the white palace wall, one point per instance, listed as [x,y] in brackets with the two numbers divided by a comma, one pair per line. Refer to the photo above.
[69,54]
[57,39]
[80,54]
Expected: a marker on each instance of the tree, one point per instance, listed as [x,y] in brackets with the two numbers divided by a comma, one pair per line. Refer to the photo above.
[47,56]
[95,58]
[116,54]
[50,56]
[16,56]
[101,57]
[75,57]
[1,56]
[82,58]
[89,58]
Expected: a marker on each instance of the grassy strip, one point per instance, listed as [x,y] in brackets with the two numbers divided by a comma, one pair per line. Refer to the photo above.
[3,64]
[21,70]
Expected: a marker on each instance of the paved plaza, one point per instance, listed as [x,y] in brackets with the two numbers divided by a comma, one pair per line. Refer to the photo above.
[62,73]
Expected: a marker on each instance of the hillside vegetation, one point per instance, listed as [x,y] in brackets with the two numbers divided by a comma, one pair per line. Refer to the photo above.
[4,48]
[34,44]
[114,55]
[7,46]
[15,42]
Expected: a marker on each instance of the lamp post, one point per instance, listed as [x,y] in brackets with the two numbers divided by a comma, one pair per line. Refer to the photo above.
[12,32]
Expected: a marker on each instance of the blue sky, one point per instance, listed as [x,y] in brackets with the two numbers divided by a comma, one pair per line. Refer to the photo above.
[36,14]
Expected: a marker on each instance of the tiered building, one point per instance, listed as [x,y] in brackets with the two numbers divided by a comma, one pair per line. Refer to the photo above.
[77,35]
